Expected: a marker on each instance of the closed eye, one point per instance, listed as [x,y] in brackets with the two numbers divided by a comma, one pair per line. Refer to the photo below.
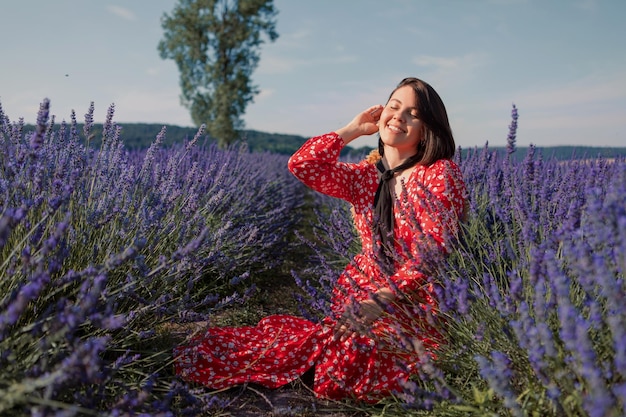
[412,112]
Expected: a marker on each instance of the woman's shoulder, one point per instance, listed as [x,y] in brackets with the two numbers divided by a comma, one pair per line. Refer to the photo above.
[444,163]
[440,171]
[444,167]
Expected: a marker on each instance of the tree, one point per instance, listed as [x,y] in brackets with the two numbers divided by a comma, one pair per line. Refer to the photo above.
[216,46]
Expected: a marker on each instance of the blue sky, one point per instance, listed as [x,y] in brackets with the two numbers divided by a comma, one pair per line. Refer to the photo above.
[561,62]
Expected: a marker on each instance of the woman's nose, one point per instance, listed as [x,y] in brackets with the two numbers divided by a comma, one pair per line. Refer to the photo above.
[398,115]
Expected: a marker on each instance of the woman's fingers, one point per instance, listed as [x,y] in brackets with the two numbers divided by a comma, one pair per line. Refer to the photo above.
[342,332]
[345,326]
[373,113]
[375,110]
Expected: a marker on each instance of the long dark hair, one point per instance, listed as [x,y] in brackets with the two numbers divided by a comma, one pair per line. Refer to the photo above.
[437,141]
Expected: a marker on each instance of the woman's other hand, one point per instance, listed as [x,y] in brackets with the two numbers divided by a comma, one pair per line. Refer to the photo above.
[357,319]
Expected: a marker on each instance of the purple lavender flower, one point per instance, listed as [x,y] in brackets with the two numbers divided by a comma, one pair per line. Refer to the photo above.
[88,121]
[37,138]
[510,140]
[19,303]
[497,372]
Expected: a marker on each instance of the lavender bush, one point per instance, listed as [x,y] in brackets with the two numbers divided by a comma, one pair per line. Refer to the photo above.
[102,250]
[531,299]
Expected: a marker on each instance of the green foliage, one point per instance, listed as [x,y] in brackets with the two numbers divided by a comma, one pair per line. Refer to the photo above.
[106,256]
[215,44]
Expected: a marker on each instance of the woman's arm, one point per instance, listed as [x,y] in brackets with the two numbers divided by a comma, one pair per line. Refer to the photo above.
[317,164]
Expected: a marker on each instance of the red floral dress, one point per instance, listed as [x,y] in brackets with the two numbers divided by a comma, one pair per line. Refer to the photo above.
[366,367]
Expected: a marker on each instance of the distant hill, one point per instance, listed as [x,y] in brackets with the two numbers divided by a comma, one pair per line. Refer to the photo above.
[560,153]
[142,135]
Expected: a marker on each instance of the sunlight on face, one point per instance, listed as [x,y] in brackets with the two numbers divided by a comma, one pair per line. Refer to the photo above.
[400,126]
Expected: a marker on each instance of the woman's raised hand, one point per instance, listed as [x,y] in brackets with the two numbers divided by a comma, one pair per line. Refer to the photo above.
[364,123]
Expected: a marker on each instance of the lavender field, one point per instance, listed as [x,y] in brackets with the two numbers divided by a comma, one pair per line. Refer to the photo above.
[103,251]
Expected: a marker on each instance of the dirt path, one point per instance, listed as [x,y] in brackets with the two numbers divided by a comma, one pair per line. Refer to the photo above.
[274,296]
[291,400]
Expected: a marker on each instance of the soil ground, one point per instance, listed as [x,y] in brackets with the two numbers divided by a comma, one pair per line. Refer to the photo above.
[291,400]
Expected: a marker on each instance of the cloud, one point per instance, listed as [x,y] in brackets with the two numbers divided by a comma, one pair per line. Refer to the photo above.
[600,120]
[586,91]
[279,57]
[586,111]
[291,42]
[436,61]
[439,63]
[276,64]
[452,70]
[295,39]
[122,12]
[133,105]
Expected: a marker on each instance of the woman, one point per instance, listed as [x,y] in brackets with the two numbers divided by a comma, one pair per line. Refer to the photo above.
[379,295]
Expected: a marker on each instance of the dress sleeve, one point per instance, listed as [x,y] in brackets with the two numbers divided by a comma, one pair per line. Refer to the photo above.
[434,210]
[317,165]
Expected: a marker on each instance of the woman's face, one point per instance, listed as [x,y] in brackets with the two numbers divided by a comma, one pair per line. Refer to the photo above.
[400,126]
